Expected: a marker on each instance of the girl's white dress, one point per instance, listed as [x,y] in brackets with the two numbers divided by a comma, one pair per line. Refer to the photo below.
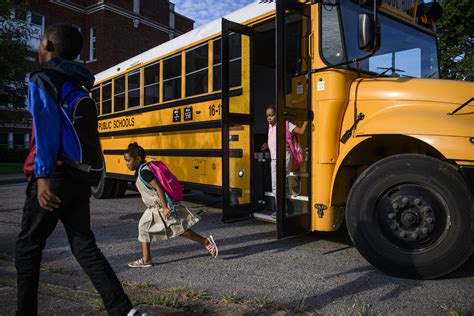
[152,225]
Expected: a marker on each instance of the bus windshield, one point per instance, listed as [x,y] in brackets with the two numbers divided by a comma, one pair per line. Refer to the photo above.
[405,51]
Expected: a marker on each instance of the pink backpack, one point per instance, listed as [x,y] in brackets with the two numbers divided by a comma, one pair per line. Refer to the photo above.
[293,142]
[168,181]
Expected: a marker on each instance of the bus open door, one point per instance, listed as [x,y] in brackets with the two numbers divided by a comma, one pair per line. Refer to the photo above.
[293,103]
[236,130]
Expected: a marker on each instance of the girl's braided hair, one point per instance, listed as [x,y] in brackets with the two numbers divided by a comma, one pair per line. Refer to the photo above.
[136,150]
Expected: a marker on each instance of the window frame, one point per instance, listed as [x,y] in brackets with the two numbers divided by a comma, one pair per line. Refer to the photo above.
[92,44]
[156,83]
[108,83]
[200,70]
[133,73]
[178,55]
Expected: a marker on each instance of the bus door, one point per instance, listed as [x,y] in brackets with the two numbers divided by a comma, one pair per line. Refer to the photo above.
[236,124]
[293,110]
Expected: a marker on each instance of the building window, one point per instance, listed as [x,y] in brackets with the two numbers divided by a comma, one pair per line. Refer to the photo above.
[136,6]
[235,62]
[152,84]
[92,45]
[35,24]
[134,89]
[119,94]
[172,78]
[106,98]
[196,70]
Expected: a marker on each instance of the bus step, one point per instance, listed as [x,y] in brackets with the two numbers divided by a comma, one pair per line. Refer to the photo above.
[265,217]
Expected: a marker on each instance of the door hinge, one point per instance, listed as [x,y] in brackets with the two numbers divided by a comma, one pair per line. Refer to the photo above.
[321,208]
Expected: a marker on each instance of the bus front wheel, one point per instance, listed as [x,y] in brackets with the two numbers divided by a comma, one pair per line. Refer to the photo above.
[410,215]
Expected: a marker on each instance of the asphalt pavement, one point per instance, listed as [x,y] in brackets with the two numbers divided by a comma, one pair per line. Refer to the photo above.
[316,272]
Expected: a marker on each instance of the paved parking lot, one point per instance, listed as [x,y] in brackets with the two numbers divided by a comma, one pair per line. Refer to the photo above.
[320,271]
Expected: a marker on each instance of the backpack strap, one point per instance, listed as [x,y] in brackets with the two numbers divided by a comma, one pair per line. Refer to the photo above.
[148,185]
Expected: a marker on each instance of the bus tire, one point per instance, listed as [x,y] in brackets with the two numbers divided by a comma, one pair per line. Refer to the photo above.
[120,188]
[105,189]
[410,216]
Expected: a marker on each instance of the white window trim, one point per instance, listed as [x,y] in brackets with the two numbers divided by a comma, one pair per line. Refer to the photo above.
[90,60]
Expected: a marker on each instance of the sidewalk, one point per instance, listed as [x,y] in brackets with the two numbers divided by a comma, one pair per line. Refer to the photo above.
[12,178]
[63,292]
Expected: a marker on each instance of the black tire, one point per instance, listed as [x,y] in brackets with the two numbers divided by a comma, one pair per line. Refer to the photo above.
[105,189]
[120,188]
[410,215]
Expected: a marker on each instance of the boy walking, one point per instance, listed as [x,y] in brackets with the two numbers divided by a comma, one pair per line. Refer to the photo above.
[53,192]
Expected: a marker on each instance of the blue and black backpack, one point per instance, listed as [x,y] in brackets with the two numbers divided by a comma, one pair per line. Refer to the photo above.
[79,111]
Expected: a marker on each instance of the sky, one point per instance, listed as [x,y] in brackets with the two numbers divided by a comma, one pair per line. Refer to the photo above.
[203,11]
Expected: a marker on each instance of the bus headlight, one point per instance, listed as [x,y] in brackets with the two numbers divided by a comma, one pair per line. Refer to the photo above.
[241,173]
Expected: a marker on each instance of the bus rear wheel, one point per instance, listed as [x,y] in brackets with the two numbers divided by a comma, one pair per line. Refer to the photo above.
[410,215]
[105,189]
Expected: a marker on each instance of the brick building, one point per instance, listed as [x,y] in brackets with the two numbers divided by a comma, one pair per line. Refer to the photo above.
[113,31]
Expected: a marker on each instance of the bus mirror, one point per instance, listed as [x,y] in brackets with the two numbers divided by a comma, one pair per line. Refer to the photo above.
[366,32]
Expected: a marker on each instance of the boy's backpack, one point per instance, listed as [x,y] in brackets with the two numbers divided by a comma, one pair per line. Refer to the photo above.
[81,112]
[297,153]
[168,181]
[79,122]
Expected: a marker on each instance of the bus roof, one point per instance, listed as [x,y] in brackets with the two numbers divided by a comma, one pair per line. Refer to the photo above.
[246,13]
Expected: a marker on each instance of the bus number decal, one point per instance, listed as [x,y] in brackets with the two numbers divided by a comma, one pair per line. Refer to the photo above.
[176,115]
[213,110]
[188,113]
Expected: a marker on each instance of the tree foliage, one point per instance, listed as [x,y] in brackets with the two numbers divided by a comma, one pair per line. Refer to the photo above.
[13,56]
[456,38]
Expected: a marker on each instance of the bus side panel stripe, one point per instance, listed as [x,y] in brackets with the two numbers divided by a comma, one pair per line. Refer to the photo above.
[165,128]
[234,153]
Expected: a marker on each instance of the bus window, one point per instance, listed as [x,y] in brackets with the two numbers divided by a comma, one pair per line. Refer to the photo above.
[95,94]
[235,58]
[119,94]
[196,70]
[331,41]
[106,98]
[152,84]
[134,89]
[172,78]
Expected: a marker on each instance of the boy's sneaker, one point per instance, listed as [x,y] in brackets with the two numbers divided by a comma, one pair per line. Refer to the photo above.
[136,312]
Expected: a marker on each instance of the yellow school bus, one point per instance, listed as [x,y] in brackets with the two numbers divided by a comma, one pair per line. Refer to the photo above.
[389,150]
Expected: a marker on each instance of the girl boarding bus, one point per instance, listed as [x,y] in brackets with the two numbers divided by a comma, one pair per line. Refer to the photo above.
[389,148]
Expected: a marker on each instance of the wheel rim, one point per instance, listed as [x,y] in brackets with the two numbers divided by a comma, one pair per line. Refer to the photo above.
[413,218]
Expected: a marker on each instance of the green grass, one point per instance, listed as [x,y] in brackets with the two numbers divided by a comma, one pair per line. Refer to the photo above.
[167,300]
[11,167]
[230,297]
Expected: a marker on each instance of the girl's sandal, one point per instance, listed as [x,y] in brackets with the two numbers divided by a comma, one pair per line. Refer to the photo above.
[212,247]
[140,264]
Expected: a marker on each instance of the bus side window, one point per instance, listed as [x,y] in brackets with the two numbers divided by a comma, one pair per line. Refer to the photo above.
[152,84]
[133,88]
[106,98]
[95,94]
[235,66]
[172,78]
[196,70]
[119,94]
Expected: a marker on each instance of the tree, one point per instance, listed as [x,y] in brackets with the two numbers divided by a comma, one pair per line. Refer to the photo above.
[456,38]
[13,56]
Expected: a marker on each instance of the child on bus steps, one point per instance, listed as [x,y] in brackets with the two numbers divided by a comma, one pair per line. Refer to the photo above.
[271,145]
[158,222]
